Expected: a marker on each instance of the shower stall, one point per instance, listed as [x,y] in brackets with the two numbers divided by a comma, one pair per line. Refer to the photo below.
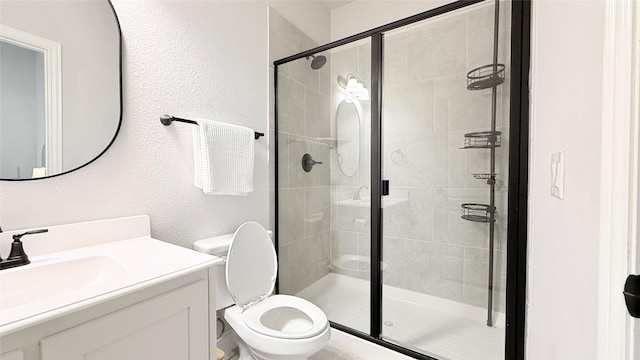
[395,180]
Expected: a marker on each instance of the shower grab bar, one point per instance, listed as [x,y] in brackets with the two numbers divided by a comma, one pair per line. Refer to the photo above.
[166,120]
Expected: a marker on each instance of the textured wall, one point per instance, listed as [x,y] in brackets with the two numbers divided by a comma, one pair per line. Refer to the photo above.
[193,59]
[566,114]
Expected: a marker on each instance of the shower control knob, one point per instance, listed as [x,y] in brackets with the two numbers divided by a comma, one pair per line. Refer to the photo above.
[632,295]
[308,162]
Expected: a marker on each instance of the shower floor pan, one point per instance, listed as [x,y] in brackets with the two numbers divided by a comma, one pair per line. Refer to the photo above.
[442,328]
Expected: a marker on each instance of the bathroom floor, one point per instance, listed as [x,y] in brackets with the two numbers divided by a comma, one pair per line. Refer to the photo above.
[447,329]
[329,353]
[332,353]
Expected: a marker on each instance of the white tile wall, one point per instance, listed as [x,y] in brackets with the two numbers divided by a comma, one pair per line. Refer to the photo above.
[303,113]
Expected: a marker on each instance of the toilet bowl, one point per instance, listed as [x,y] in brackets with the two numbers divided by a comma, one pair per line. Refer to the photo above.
[266,326]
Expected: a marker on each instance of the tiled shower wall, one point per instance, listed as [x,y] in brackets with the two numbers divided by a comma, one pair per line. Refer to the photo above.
[426,112]
[303,116]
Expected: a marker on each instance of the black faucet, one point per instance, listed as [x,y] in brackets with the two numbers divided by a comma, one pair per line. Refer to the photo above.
[17,256]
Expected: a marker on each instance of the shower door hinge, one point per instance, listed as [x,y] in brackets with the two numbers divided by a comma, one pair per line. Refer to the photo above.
[385,187]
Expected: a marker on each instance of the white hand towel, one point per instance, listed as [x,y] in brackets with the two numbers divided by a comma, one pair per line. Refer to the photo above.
[223,158]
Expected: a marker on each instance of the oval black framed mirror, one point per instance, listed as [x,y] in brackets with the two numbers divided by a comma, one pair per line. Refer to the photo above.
[60,85]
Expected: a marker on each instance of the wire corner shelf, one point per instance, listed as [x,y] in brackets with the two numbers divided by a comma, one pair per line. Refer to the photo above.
[482,140]
[484,176]
[478,212]
[485,77]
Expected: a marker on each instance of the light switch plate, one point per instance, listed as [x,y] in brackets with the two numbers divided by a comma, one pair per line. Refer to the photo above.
[557,175]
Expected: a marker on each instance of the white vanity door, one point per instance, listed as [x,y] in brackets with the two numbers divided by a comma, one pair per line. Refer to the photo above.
[12,355]
[170,326]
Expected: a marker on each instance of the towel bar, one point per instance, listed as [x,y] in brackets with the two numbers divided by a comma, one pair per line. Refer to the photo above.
[166,120]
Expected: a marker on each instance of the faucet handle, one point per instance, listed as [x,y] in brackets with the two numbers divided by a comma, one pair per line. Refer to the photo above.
[17,237]
[17,255]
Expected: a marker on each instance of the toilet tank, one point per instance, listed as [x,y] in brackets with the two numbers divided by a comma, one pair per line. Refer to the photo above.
[218,246]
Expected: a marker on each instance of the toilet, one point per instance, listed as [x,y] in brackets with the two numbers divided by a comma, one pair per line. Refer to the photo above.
[266,326]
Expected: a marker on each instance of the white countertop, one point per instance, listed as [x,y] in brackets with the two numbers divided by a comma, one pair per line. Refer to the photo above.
[58,283]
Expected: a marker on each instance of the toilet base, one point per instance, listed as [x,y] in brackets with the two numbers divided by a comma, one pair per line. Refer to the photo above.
[246,353]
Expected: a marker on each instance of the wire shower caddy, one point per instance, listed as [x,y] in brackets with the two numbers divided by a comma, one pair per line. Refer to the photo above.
[486,77]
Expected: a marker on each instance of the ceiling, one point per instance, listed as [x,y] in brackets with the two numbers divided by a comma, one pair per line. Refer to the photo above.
[332,4]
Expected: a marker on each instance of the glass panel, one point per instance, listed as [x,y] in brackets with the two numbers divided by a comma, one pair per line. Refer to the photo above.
[440,136]
[323,181]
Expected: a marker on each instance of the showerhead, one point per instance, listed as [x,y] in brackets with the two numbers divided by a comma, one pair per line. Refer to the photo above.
[317,61]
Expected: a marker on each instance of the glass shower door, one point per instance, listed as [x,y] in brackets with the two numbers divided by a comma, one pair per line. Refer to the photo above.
[324,176]
[445,122]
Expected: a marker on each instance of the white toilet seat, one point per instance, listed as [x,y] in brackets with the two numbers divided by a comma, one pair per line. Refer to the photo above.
[286,317]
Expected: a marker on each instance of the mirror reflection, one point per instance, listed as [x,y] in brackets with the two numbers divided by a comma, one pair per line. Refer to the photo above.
[348,135]
[60,98]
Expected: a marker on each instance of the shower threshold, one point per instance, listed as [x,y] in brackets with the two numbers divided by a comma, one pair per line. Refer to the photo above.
[441,328]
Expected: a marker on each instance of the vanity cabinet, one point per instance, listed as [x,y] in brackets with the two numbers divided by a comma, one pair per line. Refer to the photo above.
[170,326]
[168,321]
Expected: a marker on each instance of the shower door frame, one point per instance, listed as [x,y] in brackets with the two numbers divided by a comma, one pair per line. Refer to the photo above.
[518,172]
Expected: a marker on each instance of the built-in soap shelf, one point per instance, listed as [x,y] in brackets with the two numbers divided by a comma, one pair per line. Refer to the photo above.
[331,142]
[397,198]
[314,218]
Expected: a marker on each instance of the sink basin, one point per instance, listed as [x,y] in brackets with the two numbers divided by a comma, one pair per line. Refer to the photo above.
[77,266]
[32,283]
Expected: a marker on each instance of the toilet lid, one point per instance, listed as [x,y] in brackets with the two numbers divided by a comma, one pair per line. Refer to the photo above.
[251,264]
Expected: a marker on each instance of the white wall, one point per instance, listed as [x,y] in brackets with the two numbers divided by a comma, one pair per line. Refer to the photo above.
[193,59]
[566,104]
[311,17]
[188,58]
[363,15]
